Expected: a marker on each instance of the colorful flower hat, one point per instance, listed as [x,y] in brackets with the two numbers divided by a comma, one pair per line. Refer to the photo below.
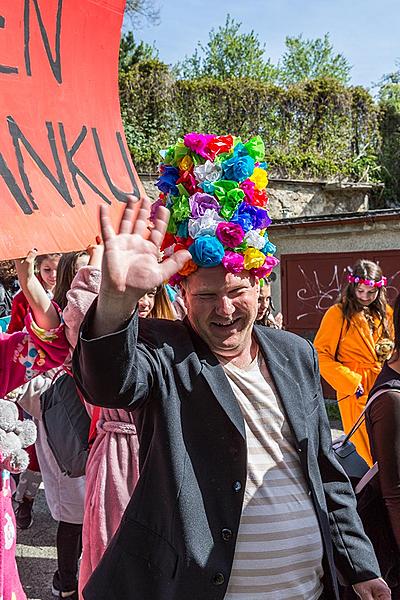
[214,187]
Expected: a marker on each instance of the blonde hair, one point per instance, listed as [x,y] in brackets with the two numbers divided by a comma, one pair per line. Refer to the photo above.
[162,308]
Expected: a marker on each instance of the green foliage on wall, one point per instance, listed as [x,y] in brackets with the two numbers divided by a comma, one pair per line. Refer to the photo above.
[318,128]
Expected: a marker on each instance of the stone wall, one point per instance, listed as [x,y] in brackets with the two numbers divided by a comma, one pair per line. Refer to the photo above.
[289,199]
[366,233]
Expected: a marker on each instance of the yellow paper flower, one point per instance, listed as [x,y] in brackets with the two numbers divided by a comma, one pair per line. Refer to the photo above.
[186,163]
[253,259]
[260,178]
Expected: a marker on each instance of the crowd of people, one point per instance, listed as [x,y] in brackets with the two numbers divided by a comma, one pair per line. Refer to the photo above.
[210,473]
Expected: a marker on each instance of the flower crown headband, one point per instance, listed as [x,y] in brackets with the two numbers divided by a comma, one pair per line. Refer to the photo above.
[370,282]
[214,187]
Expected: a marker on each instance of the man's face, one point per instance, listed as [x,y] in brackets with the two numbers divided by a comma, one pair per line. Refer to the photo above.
[222,308]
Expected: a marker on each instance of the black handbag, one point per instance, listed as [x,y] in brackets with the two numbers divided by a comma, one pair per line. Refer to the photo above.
[67,425]
[346,454]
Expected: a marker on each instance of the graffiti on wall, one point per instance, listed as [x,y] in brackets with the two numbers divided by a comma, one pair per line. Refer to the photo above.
[320,290]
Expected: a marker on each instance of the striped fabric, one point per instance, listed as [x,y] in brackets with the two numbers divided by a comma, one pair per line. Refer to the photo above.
[279,547]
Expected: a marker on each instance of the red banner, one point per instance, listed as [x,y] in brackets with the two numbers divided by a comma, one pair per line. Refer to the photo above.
[62,146]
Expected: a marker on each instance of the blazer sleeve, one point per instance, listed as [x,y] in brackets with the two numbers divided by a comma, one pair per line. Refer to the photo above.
[114,371]
[353,553]
[341,378]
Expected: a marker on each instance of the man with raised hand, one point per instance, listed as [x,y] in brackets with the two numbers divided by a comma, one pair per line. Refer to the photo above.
[240,496]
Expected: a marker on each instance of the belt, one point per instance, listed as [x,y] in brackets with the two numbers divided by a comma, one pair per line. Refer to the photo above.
[116,427]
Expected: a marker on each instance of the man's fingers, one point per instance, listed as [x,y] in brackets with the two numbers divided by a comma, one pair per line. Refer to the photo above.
[127,219]
[107,230]
[174,263]
[160,226]
[141,223]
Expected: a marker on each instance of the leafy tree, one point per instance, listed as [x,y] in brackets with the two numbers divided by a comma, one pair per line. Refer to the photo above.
[389,92]
[229,53]
[139,11]
[389,99]
[309,59]
[131,53]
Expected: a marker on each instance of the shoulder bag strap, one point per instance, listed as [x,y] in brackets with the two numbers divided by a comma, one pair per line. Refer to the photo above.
[361,418]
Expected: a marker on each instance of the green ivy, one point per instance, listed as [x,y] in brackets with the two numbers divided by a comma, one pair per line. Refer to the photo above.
[319,128]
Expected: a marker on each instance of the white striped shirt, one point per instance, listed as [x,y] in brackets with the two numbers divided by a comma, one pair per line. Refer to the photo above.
[279,548]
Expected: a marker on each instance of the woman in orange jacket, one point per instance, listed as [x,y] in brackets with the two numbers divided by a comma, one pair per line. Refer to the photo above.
[353,341]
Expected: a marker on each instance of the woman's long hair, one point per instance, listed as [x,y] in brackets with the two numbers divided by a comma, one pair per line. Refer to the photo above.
[365,269]
[396,325]
[66,272]
[162,308]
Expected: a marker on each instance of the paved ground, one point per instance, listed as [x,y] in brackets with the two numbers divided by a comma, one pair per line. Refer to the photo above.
[36,553]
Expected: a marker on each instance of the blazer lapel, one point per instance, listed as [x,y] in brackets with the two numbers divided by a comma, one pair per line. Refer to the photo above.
[214,374]
[287,386]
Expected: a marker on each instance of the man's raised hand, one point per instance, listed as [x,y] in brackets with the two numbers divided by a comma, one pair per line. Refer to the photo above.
[131,262]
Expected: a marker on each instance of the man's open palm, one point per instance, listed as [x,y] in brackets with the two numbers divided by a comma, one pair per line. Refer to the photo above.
[131,255]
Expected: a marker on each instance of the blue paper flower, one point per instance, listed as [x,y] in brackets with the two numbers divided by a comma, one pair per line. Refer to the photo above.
[260,218]
[207,251]
[207,187]
[238,168]
[167,181]
[182,230]
[269,248]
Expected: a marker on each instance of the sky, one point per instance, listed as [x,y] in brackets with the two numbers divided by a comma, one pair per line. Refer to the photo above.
[367,32]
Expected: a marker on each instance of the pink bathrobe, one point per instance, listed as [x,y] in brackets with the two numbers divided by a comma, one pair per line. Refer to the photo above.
[23,355]
[112,468]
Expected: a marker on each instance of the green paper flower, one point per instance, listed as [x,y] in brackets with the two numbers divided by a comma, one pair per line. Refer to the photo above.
[256,149]
[181,209]
[182,190]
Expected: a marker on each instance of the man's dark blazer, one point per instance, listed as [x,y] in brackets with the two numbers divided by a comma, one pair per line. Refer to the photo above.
[177,537]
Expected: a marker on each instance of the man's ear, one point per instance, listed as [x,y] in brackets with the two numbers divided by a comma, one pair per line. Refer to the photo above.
[182,291]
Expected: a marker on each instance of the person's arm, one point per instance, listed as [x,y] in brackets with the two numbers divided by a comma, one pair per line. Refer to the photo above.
[110,367]
[353,552]
[384,418]
[341,378]
[84,289]
[44,312]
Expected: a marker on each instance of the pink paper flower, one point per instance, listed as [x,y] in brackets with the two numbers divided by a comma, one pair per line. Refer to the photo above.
[197,142]
[233,262]
[230,234]
[248,187]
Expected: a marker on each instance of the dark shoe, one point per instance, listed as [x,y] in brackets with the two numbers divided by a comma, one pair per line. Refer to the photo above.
[23,514]
[56,588]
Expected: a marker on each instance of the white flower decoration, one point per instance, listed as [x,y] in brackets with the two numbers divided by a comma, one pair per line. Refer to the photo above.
[205,225]
[208,172]
[254,239]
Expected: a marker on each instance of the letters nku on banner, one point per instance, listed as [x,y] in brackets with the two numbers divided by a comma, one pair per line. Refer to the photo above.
[62,146]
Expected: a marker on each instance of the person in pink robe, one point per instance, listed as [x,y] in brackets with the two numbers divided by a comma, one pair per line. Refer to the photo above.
[112,469]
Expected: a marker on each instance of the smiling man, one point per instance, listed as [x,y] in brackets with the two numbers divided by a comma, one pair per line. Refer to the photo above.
[240,496]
